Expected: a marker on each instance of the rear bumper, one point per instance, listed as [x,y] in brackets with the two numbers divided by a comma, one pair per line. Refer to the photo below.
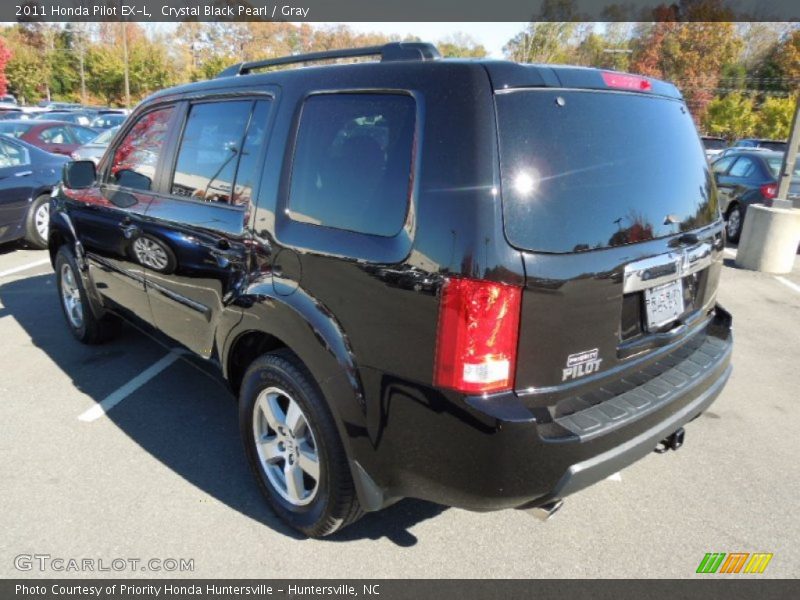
[493,453]
[593,469]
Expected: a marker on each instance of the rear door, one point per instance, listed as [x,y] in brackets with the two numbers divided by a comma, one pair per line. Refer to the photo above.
[610,198]
[194,244]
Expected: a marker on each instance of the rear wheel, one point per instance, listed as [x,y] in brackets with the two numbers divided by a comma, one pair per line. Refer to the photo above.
[82,322]
[38,223]
[293,446]
[735,220]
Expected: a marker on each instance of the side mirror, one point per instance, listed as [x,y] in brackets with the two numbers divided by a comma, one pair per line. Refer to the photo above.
[79,174]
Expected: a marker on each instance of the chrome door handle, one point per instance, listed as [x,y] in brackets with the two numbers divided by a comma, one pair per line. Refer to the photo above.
[23,173]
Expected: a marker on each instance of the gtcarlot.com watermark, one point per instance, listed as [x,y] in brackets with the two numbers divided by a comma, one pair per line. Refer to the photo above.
[45,563]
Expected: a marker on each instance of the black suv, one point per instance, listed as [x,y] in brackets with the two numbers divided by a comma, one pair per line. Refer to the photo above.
[479,283]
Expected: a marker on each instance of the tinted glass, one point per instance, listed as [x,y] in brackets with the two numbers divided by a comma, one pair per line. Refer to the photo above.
[777,146]
[83,135]
[56,135]
[352,162]
[722,164]
[210,149]
[15,129]
[105,137]
[249,163]
[585,170]
[743,167]
[713,144]
[12,155]
[136,157]
[775,163]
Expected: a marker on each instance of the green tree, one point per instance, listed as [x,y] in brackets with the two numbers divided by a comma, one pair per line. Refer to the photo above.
[775,117]
[460,45]
[732,116]
[542,43]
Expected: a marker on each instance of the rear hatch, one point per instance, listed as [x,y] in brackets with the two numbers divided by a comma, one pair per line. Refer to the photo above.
[608,195]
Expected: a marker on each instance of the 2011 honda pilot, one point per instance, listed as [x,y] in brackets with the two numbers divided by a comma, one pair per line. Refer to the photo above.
[479,283]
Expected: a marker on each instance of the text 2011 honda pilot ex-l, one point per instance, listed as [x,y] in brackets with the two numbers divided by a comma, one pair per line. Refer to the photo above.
[480,283]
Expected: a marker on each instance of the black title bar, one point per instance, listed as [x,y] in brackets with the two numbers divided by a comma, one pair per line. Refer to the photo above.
[176,11]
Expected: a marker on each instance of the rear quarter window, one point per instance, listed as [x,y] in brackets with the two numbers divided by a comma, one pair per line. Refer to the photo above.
[352,162]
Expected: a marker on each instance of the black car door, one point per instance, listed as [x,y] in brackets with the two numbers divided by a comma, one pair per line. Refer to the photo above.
[194,245]
[108,217]
[15,188]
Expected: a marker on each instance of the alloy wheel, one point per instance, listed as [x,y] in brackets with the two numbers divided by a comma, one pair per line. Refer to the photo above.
[71,296]
[286,446]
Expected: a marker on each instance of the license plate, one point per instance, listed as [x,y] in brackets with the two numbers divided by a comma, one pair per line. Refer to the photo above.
[664,303]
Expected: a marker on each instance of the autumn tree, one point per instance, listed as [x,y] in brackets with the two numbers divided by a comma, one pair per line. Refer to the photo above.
[5,55]
[691,55]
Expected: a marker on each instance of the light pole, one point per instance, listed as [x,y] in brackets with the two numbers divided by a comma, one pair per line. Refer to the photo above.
[789,160]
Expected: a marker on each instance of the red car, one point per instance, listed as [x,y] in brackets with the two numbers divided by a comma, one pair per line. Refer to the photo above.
[57,137]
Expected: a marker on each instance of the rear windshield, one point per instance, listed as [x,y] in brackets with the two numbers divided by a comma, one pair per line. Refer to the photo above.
[776,162]
[583,170]
[777,146]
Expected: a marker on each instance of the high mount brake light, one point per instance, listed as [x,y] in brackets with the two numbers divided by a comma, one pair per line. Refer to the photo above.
[476,349]
[627,82]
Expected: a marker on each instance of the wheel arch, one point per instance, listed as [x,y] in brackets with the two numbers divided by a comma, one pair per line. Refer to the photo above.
[301,324]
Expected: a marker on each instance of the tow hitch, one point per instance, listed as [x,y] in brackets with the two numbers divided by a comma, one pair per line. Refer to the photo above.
[673,442]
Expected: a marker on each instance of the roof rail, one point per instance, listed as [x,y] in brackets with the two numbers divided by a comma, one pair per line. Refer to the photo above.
[395,51]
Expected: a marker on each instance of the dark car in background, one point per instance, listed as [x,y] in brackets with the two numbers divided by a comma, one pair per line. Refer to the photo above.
[56,137]
[746,177]
[765,144]
[66,116]
[490,298]
[27,176]
[713,146]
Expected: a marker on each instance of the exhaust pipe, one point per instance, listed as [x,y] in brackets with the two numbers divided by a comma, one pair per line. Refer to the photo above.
[545,511]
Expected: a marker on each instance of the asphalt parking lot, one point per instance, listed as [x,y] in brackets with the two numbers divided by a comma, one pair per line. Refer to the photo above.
[162,474]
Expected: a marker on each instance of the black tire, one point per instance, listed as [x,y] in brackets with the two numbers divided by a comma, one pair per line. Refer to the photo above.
[32,236]
[334,504]
[734,221]
[91,330]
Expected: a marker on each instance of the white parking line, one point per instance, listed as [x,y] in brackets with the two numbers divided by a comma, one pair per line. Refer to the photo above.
[38,263]
[790,284]
[117,396]
[730,252]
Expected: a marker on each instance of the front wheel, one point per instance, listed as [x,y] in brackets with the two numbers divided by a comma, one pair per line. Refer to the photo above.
[294,448]
[82,322]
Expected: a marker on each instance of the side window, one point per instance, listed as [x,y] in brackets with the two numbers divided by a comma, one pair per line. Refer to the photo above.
[84,136]
[249,166]
[742,168]
[136,157]
[210,149]
[56,135]
[352,162]
[722,164]
[12,156]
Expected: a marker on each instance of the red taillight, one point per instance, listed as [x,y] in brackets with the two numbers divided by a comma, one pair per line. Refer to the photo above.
[626,82]
[769,190]
[476,343]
